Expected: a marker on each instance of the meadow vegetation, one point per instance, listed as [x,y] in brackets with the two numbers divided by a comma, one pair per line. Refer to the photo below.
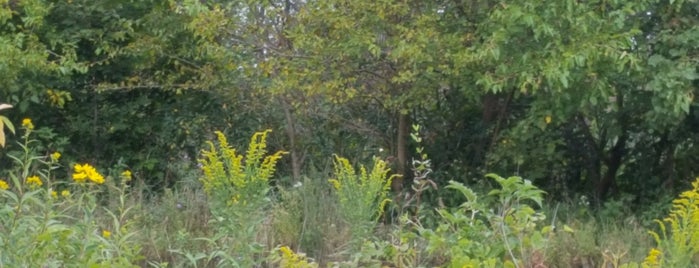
[234,215]
[362,133]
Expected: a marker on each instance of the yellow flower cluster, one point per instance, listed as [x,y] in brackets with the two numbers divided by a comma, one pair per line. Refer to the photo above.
[34,181]
[27,123]
[225,169]
[290,259]
[4,185]
[106,233]
[679,232]
[126,175]
[653,259]
[86,172]
[55,156]
[64,193]
[362,191]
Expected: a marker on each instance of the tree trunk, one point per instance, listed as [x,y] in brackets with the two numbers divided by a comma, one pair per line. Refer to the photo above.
[401,152]
[614,162]
[616,154]
[291,134]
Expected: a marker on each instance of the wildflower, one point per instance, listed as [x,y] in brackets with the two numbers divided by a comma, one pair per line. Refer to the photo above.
[292,259]
[55,156]
[653,258]
[335,184]
[27,123]
[65,193]
[54,194]
[126,175]
[548,119]
[86,172]
[34,181]
[288,253]
[584,201]
[4,185]
[106,233]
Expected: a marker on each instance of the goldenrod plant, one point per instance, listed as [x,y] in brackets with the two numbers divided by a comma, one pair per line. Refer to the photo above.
[361,195]
[287,258]
[678,238]
[235,180]
[237,186]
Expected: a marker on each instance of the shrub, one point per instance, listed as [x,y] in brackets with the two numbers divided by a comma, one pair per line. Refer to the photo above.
[497,233]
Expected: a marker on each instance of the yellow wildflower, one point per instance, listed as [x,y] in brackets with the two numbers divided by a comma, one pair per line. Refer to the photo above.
[27,123]
[55,156]
[292,259]
[126,175]
[86,172]
[288,253]
[54,194]
[653,258]
[548,119]
[335,183]
[34,181]
[106,233]
[235,198]
[65,193]
[4,185]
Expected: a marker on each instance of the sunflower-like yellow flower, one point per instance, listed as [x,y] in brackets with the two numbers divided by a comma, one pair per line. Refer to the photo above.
[34,181]
[27,123]
[4,185]
[86,172]
[106,233]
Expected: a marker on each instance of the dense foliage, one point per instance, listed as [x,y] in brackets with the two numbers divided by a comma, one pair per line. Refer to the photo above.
[591,98]
[587,100]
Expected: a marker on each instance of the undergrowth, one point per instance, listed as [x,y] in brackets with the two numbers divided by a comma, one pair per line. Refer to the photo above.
[238,213]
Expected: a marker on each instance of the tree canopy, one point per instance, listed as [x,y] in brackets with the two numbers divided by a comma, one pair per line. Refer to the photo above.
[581,97]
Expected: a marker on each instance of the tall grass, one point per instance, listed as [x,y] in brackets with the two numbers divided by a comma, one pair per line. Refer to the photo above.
[238,213]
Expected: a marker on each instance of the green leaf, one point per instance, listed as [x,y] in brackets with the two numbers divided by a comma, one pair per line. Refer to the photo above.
[467,192]
[2,134]
[8,124]
[568,229]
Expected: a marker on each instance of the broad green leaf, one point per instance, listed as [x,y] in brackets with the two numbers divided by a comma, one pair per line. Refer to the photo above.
[2,134]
